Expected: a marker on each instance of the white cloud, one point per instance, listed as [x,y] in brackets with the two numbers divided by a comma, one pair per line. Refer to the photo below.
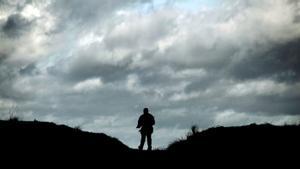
[257,87]
[88,85]
[182,96]
[89,39]
[184,74]
[31,12]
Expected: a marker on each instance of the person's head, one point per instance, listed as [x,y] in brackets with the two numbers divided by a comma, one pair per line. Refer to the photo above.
[146,110]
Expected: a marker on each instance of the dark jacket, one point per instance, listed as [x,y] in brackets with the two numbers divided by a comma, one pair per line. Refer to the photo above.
[146,122]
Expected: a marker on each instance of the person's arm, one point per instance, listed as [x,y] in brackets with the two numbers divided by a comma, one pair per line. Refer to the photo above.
[139,125]
[153,121]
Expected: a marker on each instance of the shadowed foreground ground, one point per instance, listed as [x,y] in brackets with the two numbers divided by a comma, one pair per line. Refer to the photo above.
[49,143]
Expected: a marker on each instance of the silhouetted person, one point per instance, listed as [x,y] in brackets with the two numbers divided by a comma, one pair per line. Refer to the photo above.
[146,122]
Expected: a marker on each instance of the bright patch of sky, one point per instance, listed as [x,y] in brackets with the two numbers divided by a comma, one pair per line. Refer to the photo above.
[188,5]
[192,5]
[195,5]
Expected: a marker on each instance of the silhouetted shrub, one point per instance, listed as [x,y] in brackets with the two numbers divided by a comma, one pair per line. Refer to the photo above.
[194,130]
[14,119]
[77,128]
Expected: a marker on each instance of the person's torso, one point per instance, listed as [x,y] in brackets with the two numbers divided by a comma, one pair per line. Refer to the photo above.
[147,120]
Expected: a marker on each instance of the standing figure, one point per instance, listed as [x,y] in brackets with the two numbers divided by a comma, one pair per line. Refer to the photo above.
[146,122]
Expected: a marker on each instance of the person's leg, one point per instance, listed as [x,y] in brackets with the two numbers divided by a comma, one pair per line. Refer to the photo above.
[142,141]
[149,141]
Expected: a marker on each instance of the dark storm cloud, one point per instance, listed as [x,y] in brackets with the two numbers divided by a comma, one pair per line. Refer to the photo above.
[280,61]
[15,26]
[88,66]
[30,69]
[271,105]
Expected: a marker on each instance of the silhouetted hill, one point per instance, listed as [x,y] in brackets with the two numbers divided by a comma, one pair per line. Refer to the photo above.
[44,138]
[252,142]
[48,142]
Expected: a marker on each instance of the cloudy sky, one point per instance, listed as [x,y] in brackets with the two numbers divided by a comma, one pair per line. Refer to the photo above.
[97,63]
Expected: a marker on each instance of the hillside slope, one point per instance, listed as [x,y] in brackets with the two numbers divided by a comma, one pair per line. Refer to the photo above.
[49,142]
[45,136]
[252,141]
